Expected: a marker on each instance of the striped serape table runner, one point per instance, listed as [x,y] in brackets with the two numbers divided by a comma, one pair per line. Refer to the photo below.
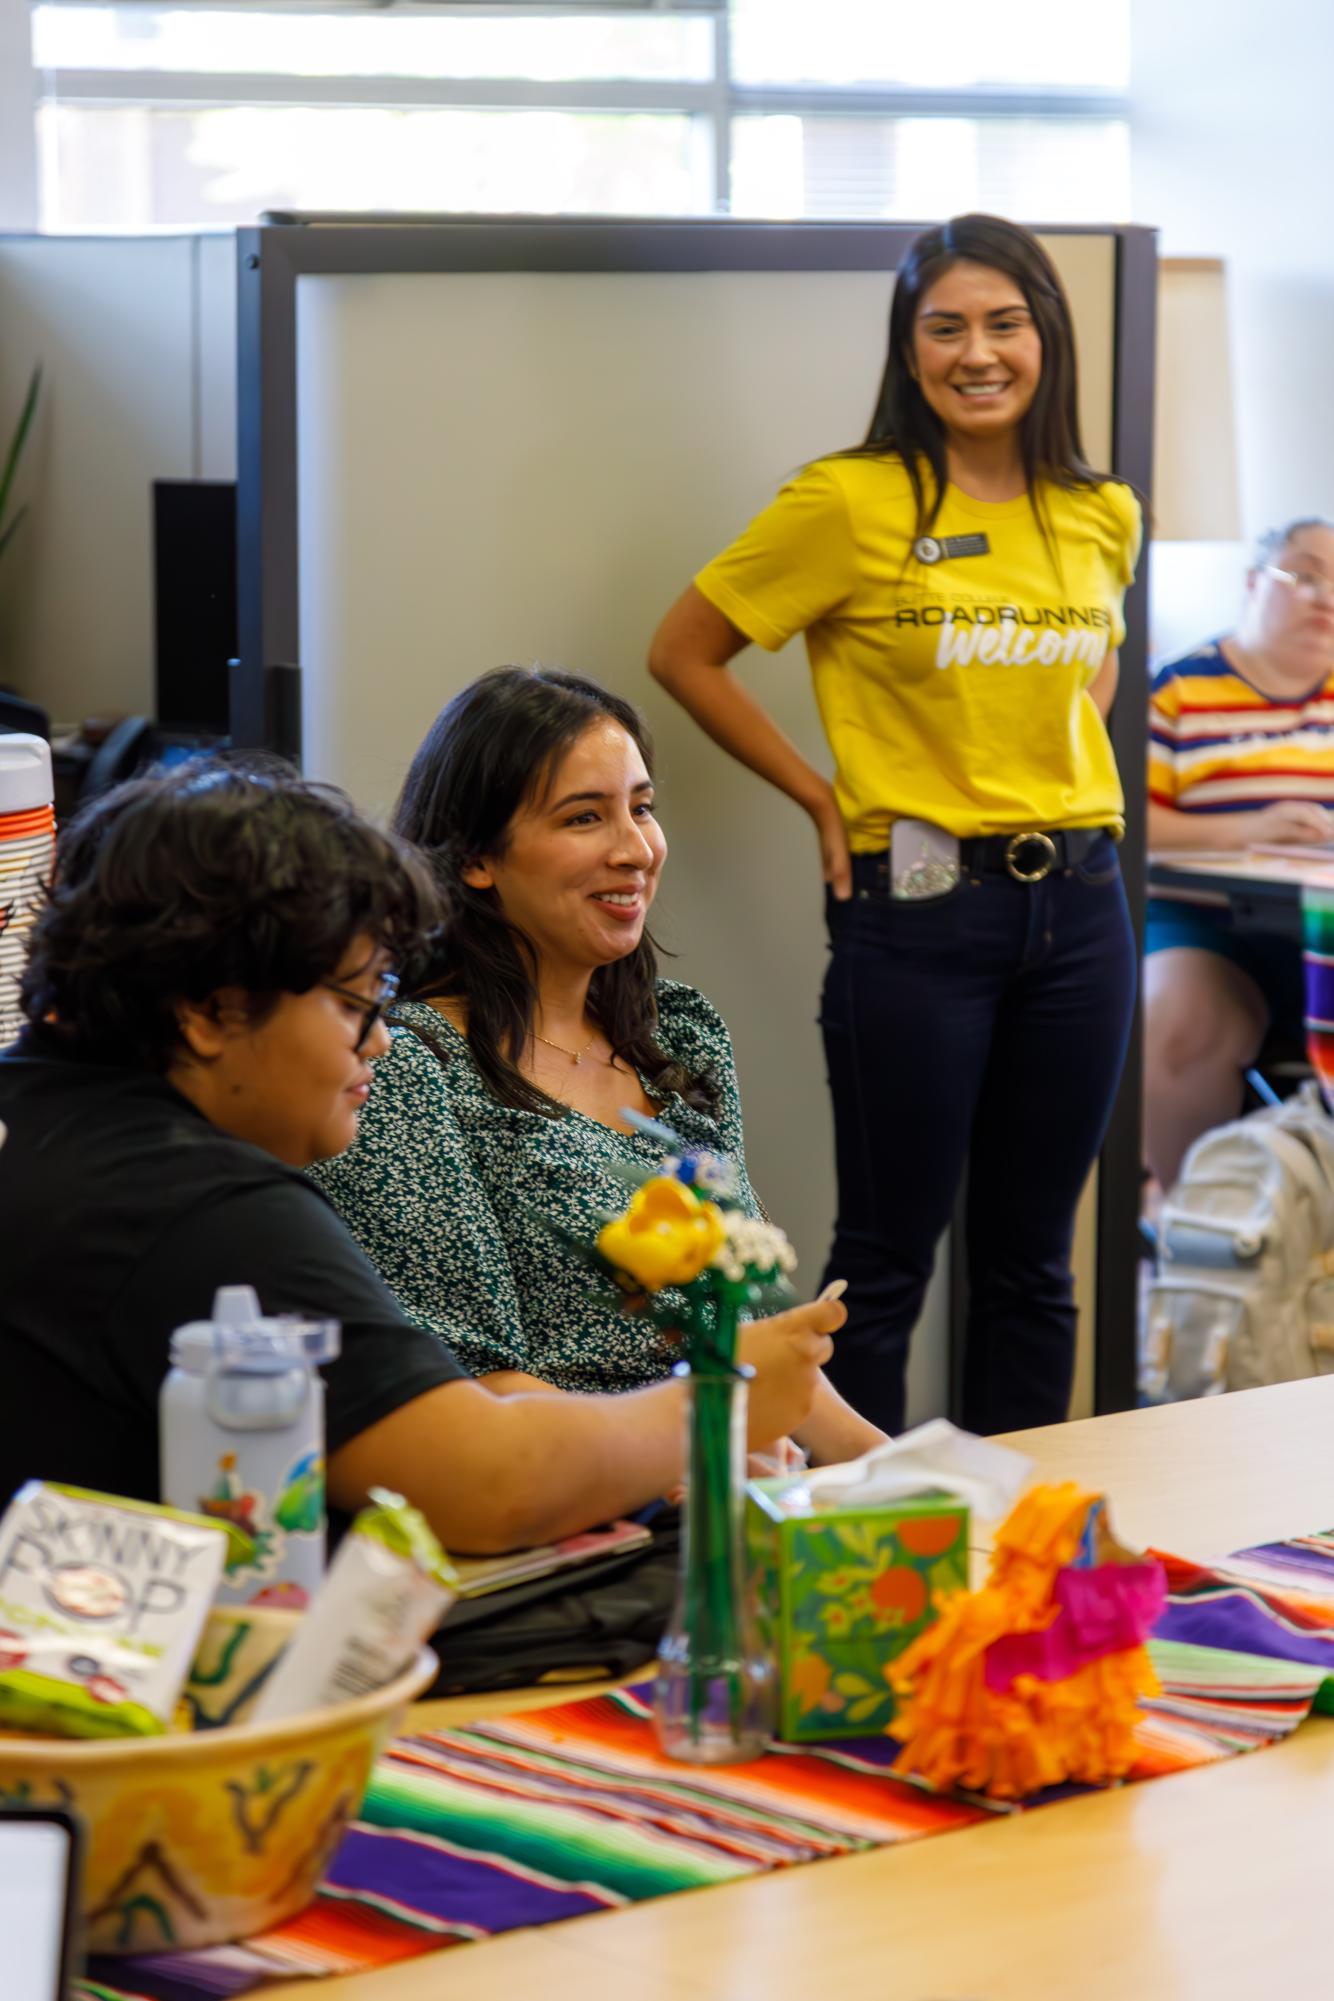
[1318,980]
[1276,1599]
[556,1813]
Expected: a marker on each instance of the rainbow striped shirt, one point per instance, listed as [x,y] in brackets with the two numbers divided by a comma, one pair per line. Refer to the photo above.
[1217,745]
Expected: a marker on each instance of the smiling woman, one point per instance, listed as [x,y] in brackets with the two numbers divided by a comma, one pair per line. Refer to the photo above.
[533,796]
[977,354]
[575,879]
[541,1021]
[959,579]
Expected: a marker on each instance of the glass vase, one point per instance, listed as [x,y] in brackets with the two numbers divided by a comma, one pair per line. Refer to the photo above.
[714,1703]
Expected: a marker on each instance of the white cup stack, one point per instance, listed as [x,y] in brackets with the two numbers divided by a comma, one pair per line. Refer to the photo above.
[27,858]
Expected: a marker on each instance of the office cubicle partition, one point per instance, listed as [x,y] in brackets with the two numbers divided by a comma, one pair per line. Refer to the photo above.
[466,442]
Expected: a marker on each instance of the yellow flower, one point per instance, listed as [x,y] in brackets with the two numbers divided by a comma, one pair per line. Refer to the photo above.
[665,1237]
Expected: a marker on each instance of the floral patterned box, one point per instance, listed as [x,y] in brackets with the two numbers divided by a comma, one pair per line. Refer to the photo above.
[840,1592]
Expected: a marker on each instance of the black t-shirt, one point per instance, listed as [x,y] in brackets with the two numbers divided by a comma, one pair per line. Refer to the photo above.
[122,1210]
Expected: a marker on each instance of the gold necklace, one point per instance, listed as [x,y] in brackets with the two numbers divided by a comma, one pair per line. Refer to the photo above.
[576,1056]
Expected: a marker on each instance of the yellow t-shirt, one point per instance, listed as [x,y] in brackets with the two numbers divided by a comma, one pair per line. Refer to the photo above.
[953,690]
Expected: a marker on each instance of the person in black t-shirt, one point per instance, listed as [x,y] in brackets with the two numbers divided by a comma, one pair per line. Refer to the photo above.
[204,998]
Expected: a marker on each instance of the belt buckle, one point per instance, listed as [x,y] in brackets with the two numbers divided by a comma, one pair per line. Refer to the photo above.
[1046,858]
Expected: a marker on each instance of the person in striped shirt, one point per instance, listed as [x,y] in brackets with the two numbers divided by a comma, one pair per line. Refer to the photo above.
[1241,752]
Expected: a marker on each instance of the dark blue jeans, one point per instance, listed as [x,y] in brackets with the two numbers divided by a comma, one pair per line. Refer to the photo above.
[987,1027]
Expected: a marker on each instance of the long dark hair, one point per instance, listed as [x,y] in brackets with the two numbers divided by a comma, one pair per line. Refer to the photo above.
[905,425]
[491,751]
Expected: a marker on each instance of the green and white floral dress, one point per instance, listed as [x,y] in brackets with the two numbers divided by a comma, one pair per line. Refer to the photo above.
[443,1188]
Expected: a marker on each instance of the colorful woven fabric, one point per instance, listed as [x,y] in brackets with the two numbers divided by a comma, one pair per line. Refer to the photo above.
[559,1812]
[1276,1599]
[1318,970]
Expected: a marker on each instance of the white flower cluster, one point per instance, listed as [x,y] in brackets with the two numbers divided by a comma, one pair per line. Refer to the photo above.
[752,1249]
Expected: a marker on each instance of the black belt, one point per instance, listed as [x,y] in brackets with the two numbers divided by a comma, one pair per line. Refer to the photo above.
[1029,856]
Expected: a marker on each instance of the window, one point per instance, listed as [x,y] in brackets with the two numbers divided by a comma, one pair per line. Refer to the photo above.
[156,115]
[1031,44]
[917,169]
[140,167]
[352,42]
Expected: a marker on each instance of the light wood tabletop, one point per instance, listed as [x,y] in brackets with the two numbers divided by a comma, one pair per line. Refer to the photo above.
[1212,1885]
[1240,867]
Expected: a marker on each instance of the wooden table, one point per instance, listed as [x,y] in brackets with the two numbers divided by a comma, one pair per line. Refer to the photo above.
[1214,1885]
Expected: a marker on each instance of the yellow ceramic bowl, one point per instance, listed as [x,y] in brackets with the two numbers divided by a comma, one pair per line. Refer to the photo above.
[201,1837]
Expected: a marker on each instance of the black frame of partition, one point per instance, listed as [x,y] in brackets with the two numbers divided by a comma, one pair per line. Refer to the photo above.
[265,692]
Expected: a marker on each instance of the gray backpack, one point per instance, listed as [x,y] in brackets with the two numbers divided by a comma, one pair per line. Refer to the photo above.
[1244,1290]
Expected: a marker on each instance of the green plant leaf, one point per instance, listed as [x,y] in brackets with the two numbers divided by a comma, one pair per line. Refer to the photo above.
[15,453]
[9,533]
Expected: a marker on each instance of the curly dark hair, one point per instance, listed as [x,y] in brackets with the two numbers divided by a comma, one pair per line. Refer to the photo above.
[227,872]
[491,750]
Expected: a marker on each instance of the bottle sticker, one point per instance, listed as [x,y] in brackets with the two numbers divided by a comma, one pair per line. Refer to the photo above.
[261,1530]
[299,1507]
[257,1543]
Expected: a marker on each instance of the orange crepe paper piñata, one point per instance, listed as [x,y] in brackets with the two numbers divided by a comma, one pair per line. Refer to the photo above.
[984,1707]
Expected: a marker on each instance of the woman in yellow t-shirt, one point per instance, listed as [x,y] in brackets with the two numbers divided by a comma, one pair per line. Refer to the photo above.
[959,579]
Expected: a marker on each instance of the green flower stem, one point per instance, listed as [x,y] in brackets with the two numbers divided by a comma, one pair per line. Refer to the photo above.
[711,1584]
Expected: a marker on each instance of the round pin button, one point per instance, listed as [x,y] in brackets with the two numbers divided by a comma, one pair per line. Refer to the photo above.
[926,549]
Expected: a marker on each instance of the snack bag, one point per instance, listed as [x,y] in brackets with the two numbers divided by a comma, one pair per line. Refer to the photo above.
[101,1605]
[388,1587]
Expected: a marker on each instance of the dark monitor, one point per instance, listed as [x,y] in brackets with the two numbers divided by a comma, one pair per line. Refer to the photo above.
[194,591]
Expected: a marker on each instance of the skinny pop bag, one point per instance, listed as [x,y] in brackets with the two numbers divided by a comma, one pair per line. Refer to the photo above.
[101,1605]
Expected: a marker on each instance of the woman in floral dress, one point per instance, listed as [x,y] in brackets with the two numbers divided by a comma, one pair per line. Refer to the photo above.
[502,1100]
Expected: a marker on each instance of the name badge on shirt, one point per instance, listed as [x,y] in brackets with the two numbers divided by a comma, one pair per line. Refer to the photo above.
[929,549]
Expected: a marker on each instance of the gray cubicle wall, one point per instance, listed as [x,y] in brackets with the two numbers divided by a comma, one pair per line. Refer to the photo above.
[470,442]
[136,338]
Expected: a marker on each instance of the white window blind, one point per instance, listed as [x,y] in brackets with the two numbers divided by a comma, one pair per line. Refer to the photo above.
[200,112]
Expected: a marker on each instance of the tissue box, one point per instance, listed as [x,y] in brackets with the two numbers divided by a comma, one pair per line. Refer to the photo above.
[840,1591]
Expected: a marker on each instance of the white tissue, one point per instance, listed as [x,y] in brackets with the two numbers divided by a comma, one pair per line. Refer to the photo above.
[936,1455]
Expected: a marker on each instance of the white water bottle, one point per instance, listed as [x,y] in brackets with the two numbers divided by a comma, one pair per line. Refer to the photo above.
[241,1428]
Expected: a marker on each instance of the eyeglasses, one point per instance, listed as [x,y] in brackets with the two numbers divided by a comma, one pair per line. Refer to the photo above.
[372,1010]
[1308,584]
